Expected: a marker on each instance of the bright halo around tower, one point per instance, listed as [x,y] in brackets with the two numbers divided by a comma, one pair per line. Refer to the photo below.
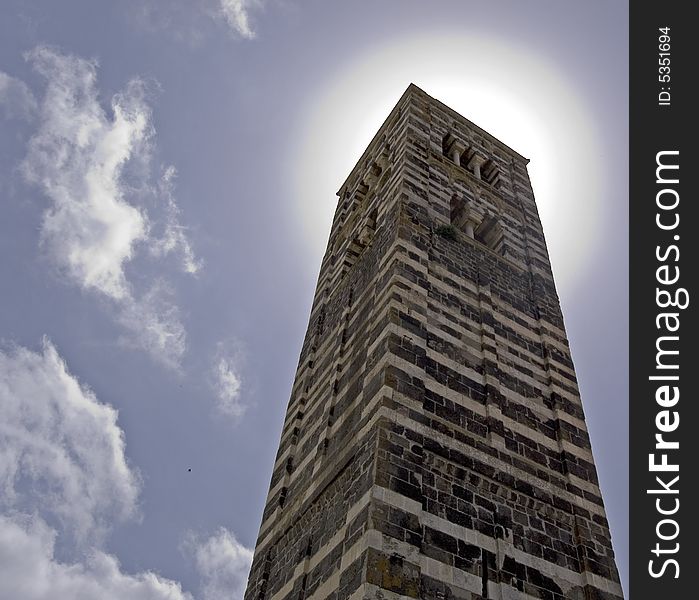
[518,96]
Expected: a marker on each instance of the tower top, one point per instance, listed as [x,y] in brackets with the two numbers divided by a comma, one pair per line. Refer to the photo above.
[414,89]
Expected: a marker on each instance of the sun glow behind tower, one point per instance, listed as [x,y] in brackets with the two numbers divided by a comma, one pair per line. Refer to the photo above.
[521,98]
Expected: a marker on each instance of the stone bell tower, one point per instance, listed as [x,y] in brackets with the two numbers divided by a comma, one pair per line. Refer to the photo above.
[435,444]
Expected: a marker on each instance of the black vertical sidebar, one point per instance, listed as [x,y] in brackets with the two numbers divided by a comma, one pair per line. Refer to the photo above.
[664,260]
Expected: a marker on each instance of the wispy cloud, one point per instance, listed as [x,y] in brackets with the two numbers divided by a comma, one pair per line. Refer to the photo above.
[16,99]
[92,229]
[174,237]
[62,461]
[227,381]
[61,450]
[154,324]
[223,564]
[236,14]
[190,22]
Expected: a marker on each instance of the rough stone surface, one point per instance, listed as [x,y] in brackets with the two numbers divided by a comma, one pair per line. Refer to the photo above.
[435,444]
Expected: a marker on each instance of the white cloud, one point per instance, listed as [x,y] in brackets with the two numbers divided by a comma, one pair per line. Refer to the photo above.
[79,157]
[16,99]
[235,12]
[227,382]
[174,237]
[29,570]
[61,450]
[223,564]
[62,462]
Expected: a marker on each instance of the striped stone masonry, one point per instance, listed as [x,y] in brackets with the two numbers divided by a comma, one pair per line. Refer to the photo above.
[435,445]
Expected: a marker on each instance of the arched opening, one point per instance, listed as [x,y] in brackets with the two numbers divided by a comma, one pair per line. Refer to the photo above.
[490,233]
[490,173]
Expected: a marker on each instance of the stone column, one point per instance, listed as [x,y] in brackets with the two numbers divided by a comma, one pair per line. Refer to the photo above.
[475,165]
[469,227]
[456,149]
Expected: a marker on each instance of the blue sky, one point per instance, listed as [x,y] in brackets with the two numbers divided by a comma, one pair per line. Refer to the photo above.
[167,176]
